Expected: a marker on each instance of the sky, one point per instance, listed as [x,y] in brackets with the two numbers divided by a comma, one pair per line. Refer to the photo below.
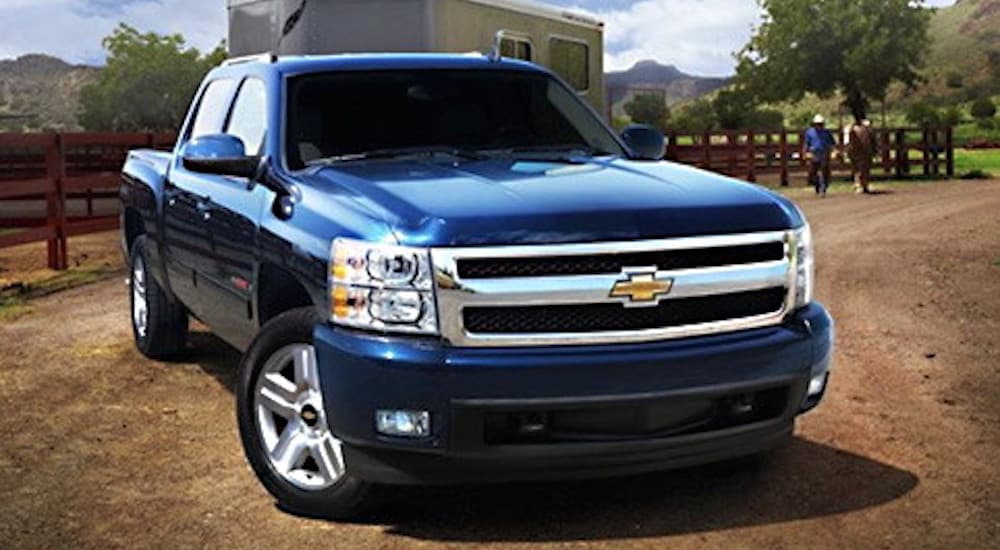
[698,36]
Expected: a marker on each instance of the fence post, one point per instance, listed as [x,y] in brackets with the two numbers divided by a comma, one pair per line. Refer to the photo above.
[706,153]
[672,145]
[783,140]
[751,157]
[949,152]
[55,170]
[886,139]
[935,155]
[900,153]
[926,145]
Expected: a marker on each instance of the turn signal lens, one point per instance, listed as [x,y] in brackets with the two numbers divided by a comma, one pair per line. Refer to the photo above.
[381,287]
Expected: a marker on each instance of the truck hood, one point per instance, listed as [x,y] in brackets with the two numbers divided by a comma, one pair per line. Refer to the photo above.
[505,201]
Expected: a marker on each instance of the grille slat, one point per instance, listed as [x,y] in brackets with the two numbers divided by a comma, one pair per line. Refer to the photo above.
[487,268]
[614,317]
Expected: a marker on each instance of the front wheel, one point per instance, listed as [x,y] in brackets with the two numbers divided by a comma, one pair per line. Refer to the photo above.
[284,429]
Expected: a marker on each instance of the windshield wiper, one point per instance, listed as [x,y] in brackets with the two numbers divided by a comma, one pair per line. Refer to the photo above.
[398,152]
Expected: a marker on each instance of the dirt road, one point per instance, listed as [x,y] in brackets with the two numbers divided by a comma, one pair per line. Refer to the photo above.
[102,448]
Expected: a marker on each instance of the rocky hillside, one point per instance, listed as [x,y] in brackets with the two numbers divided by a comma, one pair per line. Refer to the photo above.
[965,46]
[40,92]
[651,76]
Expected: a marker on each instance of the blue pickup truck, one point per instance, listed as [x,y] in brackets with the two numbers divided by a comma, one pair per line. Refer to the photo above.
[448,269]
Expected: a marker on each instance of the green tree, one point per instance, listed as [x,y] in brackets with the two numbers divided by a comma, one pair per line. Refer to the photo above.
[735,109]
[856,47]
[924,114]
[147,84]
[954,79]
[983,108]
[698,116]
[648,109]
[731,107]
[951,116]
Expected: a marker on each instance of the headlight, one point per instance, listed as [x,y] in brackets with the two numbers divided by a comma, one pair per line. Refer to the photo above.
[803,262]
[381,287]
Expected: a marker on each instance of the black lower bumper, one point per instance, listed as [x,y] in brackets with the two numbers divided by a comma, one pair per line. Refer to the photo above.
[593,411]
[538,463]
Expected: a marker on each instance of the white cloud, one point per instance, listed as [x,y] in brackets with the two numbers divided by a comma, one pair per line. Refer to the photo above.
[73,29]
[699,36]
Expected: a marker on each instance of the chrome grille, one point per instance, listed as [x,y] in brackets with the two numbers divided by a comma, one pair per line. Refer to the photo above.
[562,294]
[491,268]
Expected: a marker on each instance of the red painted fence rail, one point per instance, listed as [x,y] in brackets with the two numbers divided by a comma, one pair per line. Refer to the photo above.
[749,154]
[42,175]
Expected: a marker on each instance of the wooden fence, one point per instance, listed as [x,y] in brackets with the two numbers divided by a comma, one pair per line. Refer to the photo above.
[43,175]
[50,183]
[753,153]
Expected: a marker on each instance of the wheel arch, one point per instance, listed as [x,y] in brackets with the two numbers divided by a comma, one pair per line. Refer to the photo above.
[278,291]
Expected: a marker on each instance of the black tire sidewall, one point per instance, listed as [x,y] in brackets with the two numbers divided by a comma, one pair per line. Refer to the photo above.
[346,497]
[166,319]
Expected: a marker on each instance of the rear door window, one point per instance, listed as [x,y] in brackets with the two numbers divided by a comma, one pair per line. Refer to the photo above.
[212,108]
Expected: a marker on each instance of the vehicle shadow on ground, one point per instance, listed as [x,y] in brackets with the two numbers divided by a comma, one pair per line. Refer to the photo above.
[804,480]
[801,481]
[214,356]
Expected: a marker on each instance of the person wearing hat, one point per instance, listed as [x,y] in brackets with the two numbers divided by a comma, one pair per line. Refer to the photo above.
[819,144]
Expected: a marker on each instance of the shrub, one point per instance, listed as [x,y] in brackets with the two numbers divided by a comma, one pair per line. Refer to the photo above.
[922,113]
[983,108]
[976,174]
[648,109]
[951,116]
[954,79]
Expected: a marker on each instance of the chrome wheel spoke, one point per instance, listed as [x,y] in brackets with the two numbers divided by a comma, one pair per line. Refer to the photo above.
[328,456]
[140,311]
[289,452]
[306,375]
[278,395]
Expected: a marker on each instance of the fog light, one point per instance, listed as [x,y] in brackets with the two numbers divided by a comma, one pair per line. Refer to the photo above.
[816,384]
[402,423]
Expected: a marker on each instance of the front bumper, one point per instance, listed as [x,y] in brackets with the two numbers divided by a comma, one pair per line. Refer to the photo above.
[465,388]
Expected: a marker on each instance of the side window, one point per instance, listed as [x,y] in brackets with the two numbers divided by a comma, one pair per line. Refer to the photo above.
[248,120]
[570,60]
[212,108]
[515,48]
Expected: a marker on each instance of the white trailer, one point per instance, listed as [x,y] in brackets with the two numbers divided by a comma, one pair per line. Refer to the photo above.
[571,44]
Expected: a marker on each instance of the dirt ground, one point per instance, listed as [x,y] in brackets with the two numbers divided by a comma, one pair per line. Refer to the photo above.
[102,448]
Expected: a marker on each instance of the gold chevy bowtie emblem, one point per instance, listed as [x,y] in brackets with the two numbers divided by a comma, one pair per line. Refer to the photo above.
[641,288]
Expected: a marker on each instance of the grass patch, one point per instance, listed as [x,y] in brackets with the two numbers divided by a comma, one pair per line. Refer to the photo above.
[12,311]
[996,262]
[972,160]
[14,297]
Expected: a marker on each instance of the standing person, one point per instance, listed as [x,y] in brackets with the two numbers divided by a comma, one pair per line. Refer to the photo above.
[861,148]
[819,144]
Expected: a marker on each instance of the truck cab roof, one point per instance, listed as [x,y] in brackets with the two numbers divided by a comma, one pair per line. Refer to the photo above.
[298,64]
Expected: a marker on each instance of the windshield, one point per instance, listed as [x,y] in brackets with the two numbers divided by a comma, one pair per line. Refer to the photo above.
[344,116]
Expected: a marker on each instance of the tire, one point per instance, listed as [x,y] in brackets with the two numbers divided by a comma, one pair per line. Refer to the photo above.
[159,321]
[283,425]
